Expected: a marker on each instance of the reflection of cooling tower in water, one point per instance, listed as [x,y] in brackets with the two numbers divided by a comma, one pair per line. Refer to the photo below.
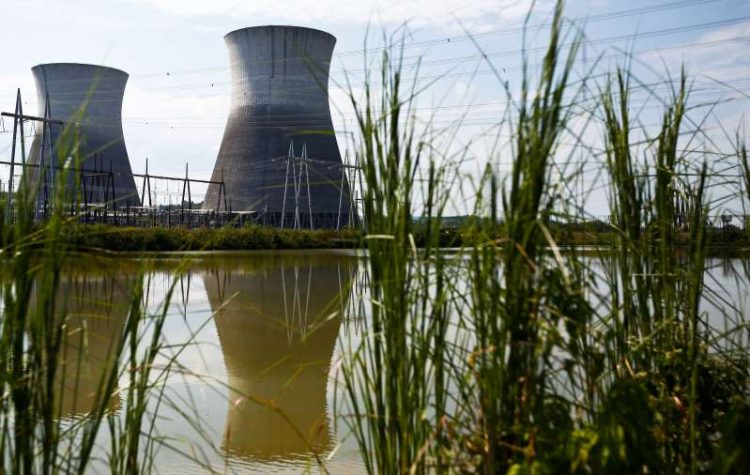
[96,309]
[278,329]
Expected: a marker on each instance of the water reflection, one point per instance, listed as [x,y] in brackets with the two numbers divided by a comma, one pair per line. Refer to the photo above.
[273,334]
[96,308]
[277,319]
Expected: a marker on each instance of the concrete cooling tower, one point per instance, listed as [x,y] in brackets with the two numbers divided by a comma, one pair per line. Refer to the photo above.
[279,108]
[98,91]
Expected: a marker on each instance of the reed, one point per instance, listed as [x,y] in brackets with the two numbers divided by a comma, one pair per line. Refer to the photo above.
[36,334]
[407,322]
[512,356]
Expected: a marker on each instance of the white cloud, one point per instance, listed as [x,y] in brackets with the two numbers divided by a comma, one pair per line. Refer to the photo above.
[475,14]
[720,54]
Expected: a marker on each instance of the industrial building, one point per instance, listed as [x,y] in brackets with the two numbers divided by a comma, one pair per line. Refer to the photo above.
[88,100]
[279,158]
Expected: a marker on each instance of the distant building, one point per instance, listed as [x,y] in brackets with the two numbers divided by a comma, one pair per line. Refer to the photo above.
[88,99]
[279,157]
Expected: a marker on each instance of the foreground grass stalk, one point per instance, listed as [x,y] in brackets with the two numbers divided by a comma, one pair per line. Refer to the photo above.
[550,363]
[510,272]
[396,378]
[627,204]
[662,356]
[526,210]
[35,333]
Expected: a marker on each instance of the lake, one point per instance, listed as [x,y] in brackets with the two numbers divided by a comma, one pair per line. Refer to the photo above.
[255,340]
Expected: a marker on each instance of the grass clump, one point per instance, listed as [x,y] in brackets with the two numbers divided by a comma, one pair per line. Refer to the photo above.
[97,237]
[407,322]
[512,356]
[45,346]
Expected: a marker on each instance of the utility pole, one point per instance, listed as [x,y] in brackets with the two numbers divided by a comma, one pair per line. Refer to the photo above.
[46,164]
[146,184]
[185,187]
[348,178]
[297,187]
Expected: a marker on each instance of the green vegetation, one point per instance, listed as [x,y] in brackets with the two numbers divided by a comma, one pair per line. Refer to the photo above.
[112,238]
[39,340]
[101,237]
[511,357]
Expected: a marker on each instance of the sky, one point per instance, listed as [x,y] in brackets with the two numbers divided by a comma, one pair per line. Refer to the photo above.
[177,97]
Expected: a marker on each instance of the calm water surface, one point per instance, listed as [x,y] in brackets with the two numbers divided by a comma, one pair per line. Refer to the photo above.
[257,339]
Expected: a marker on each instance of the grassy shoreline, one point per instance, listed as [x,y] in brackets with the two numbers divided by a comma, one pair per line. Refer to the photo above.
[125,239]
[97,237]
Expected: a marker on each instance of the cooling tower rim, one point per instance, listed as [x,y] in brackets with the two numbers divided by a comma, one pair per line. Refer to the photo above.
[99,67]
[288,27]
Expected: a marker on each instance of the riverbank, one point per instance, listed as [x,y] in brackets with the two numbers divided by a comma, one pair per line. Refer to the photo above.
[119,239]
[99,237]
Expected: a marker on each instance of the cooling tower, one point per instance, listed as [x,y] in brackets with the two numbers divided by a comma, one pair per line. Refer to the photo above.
[280,102]
[98,91]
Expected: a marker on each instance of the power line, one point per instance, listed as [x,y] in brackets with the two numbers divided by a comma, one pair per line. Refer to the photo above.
[461,59]
[321,120]
[512,52]
[458,38]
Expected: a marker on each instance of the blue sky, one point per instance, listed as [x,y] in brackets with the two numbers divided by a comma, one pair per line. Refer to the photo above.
[178,96]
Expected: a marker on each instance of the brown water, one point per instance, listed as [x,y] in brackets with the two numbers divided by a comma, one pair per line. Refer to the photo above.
[257,339]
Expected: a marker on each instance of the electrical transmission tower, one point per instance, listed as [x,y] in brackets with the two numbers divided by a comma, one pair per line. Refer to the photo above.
[298,166]
[46,166]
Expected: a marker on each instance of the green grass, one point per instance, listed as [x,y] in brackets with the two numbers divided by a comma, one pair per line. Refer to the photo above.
[223,239]
[39,340]
[99,237]
[512,357]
